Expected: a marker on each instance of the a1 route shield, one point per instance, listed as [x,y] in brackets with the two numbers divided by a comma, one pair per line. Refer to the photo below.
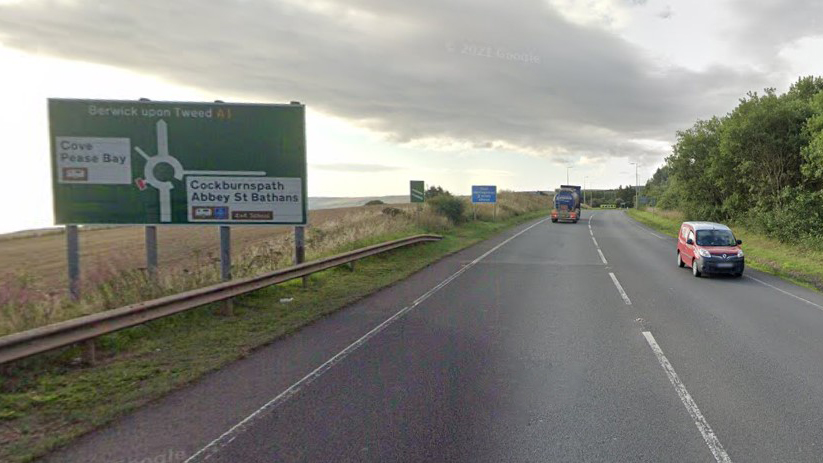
[142,162]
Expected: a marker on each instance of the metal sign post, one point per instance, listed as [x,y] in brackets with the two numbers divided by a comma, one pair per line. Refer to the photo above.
[300,249]
[225,253]
[73,259]
[151,252]
[225,263]
[485,194]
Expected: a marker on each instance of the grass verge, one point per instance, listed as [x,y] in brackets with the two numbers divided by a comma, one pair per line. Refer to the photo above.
[49,400]
[794,263]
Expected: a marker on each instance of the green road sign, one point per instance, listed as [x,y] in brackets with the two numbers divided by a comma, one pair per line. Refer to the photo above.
[130,162]
[417,191]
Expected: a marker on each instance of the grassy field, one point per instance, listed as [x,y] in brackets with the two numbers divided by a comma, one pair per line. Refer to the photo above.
[51,399]
[795,263]
[33,280]
[41,255]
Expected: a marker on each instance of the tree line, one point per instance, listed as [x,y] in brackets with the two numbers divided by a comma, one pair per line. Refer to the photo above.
[760,165]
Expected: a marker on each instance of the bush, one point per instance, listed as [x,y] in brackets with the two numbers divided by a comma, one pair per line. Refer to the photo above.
[392,211]
[449,207]
[374,202]
[435,191]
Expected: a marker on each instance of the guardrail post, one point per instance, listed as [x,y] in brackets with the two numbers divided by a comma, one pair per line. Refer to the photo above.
[225,263]
[151,252]
[300,249]
[73,258]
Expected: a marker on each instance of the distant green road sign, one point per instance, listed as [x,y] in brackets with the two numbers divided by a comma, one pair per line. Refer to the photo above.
[418,189]
[143,162]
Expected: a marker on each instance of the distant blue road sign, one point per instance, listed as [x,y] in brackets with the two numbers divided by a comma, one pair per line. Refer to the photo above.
[484,194]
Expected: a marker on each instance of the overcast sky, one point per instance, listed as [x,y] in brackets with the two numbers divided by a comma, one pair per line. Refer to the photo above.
[400,90]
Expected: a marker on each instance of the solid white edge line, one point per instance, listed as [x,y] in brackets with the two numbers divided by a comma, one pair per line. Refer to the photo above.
[636,224]
[691,406]
[602,257]
[784,292]
[620,289]
[214,446]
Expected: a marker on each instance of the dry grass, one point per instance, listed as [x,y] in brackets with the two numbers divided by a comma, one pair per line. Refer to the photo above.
[32,291]
[33,284]
[673,215]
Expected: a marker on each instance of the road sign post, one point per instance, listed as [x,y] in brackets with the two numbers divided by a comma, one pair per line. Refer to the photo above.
[73,258]
[150,163]
[151,252]
[225,263]
[485,194]
[300,249]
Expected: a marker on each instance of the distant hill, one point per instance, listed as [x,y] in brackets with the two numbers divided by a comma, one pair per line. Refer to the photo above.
[334,203]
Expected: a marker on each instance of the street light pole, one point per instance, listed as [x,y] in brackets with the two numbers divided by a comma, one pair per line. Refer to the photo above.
[636,186]
[584,188]
[567,174]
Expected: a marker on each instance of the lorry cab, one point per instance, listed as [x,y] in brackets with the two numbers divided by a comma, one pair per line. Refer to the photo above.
[709,247]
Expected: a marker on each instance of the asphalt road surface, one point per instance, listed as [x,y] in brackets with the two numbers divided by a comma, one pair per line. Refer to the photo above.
[552,342]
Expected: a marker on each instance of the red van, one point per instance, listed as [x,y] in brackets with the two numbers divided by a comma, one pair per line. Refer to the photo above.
[709,248]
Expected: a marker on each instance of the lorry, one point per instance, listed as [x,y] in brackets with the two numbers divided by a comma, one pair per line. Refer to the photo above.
[567,204]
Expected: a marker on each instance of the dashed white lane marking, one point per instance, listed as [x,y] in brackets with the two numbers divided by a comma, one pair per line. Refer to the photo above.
[699,420]
[785,292]
[634,222]
[620,289]
[227,437]
[597,246]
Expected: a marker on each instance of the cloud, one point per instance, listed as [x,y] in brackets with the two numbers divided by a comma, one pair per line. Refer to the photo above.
[490,173]
[765,26]
[387,66]
[347,167]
